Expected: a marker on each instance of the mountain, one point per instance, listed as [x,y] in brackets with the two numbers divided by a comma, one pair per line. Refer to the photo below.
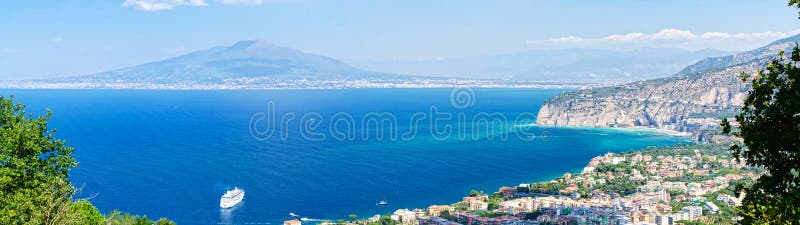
[259,65]
[244,59]
[693,100]
[767,51]
[564,64]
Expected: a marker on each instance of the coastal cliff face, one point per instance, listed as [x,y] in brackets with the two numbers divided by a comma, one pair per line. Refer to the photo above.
[693,100]
[667,103]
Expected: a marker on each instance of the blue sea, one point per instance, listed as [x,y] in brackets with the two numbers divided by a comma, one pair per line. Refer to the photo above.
[326,153]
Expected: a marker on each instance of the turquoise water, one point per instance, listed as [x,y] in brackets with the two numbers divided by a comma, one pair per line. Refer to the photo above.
[173,153]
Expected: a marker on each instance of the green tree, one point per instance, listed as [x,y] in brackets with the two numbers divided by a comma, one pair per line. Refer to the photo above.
[795,3]
[119,218]
[475,193]
[494,202]
[33,169]
[446,214]
[386,220]
[86,213]
[769,125]
[34,166]
[566,211]
[352,216]
[491,214]
[164,221]
[689,222]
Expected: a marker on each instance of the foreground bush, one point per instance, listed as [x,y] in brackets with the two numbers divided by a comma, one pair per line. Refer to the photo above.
[34,168]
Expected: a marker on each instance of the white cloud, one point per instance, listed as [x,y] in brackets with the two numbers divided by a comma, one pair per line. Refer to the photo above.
[624,37]
[715,35]
[242,2]
[671,38]
[57,40]
[567,39]
[158,5]
[665,34]
[768,34]
[673,34]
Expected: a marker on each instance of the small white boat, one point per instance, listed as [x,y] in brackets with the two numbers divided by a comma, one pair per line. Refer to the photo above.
[383,202]
[292,214]
[231,198]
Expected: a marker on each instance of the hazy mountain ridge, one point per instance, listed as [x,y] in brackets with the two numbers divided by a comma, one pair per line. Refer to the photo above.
[260,65]
[244,59]
[564,64]
[693,100]
[767,51]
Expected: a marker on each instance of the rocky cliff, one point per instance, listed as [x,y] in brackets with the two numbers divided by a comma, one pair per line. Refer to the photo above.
[693,100]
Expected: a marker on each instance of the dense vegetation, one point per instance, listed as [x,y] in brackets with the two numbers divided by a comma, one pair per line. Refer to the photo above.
[384,220]
[620,185]
[34,169]
[769,125]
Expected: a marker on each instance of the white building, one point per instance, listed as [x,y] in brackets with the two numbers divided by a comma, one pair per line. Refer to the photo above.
[712,207]
[404,215]
[516,206]
[694,211]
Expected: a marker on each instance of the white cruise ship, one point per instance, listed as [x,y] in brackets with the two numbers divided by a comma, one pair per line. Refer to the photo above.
[231,198]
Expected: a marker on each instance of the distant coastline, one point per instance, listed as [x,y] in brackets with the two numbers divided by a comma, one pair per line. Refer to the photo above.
[270,84]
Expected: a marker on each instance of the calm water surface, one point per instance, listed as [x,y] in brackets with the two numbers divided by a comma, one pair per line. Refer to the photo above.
[173,153]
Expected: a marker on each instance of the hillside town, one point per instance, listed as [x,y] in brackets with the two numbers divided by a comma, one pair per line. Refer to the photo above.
[684,184]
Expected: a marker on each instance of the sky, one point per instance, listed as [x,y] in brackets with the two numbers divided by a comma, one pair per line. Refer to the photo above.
[40,39]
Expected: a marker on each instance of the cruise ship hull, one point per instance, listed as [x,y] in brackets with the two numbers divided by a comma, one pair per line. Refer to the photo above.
[231,198]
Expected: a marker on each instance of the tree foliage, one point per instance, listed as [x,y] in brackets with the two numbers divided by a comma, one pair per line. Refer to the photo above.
[384,220]
[491,214]
[446,215]
[620,185]
[769,125]
[475,193]
[34,169]
[86,213]
[795,3]
[119,218]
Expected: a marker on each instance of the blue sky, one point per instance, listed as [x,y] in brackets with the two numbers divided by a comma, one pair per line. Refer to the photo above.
[61,38]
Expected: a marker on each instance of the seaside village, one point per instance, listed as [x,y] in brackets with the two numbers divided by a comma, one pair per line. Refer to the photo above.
[664,186]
